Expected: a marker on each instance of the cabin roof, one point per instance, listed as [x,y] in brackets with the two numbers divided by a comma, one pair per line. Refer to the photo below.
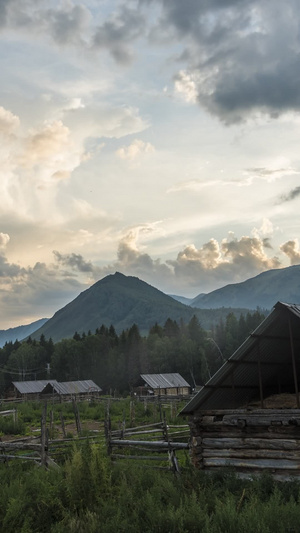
[261,366]
[74,387]
[32,387]
[62,387]
[164,381]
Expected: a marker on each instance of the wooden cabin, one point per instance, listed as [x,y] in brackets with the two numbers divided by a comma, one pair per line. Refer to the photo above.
[71,389]
[163,385]
[247,416]
[43,389]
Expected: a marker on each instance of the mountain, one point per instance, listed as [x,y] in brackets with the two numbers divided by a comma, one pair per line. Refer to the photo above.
[261,291]
[20,332]
[116,299]
[182,299]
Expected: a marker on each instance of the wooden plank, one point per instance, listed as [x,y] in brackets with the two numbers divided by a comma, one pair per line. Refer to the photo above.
[152,444]
[259,464]
[247,411]
[252,454]
[139,457]
[130,432]
[19,446]
[236,443]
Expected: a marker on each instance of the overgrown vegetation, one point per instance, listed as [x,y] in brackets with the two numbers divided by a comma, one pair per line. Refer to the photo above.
[115,362]
[89,494]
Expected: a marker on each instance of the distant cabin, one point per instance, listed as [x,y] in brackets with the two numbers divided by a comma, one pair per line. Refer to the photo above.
[43,389]
[162,385]
[247,416]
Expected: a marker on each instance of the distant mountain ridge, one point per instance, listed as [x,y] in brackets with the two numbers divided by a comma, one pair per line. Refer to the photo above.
[122,301]
[262,291]
[20,332]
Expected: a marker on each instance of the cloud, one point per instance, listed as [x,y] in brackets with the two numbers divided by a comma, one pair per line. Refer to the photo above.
[266,228]
[75,261]
[215,264]
[44,288]
[291,249]
[47,143]
[241,57]
[105,121]
[9,122]
[270,174]
[4,240]
[136,149]
[119,32]
[291,195]
[33,292]
[238,58]
[69,25]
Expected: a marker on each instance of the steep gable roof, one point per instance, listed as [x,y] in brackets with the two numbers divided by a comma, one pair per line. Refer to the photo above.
[268,362]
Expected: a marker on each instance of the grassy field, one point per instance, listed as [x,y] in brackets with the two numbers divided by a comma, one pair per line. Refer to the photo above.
[90,493]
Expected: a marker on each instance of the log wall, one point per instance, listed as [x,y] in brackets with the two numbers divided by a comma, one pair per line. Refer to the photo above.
[251,442]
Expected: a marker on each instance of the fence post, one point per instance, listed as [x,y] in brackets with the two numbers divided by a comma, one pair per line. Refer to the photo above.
[107,430]
[44,440]
[77,417]
[132,413]
[63,425]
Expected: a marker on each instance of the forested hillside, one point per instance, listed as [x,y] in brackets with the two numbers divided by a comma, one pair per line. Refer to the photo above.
[115,361]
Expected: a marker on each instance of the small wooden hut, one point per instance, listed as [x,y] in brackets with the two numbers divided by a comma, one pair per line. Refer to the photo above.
[247,416]
[34,390]
[163,385]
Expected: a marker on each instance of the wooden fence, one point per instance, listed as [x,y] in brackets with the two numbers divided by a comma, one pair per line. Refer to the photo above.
[147,443]
[152,442]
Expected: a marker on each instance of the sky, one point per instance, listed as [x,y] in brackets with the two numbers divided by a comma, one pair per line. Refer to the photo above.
[157,138]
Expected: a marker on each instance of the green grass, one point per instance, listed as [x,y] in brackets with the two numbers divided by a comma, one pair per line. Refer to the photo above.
[90,494]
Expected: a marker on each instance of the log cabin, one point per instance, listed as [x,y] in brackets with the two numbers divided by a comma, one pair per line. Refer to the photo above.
[247,416]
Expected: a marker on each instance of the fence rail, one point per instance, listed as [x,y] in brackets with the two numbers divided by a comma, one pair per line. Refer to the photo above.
[156,442]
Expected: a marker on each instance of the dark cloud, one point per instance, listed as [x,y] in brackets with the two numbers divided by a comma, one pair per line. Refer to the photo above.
[9,270]
[264,172]
[117,34]
[74,261]
[67,26]
[33,292]
[4,11]
[290,195]
[243,55]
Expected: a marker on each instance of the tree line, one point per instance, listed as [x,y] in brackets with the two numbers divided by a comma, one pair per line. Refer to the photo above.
[115,361]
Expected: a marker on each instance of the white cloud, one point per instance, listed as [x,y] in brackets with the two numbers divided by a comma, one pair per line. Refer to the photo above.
[135,150]
[4,240]
[9,122]
[186,85]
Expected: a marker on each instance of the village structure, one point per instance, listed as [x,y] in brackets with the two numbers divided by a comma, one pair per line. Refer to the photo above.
[247,416]
[162,385]
[43,389]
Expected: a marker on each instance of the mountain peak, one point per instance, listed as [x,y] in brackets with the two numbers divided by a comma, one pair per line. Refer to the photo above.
[116,299]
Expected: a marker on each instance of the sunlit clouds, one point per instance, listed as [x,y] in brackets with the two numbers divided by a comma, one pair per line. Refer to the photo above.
[152,137]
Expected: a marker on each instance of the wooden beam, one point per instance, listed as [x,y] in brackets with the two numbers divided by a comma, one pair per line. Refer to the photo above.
[294,362]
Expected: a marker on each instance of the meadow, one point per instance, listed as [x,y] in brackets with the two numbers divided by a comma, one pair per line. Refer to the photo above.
[90,493]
